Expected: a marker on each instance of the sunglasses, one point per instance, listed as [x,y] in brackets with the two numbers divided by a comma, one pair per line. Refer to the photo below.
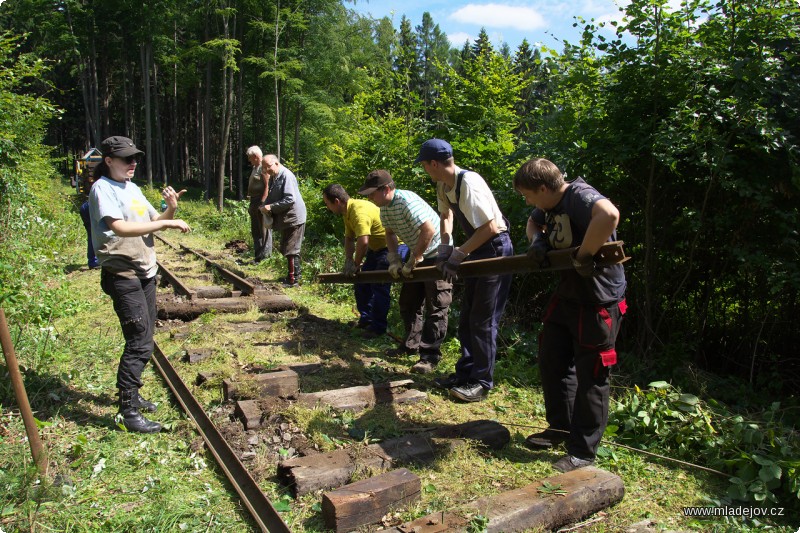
[131,159]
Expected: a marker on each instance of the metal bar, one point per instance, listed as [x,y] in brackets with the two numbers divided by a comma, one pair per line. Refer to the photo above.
[253,497]
[240,283]
[37,450]
[609,254]
[176,283]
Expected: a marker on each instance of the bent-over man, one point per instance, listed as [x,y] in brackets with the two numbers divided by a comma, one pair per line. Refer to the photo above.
[423,305]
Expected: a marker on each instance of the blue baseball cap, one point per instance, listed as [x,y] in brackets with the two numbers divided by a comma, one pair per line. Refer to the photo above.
[434,150]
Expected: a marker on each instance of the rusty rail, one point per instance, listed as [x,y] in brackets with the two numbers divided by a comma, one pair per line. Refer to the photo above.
[176,283]
[253,497]
[165,241]
[609,254]
[240,283]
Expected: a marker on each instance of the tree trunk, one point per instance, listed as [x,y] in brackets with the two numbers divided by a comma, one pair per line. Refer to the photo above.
[297,133]
[94,91]
[207,175]
[91,136]
[127,91]
[281,141]
[162,165]
[275,80]
[83,63]
[238,147]
[175,166]
[145,53]
[228,63]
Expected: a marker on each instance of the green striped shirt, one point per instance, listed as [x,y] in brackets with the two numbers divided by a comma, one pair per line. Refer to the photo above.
[405,215]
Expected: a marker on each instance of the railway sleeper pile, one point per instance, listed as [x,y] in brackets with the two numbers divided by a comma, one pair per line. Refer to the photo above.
[390,487]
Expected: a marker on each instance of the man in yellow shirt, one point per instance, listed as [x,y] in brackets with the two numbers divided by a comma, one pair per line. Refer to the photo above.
[364,250]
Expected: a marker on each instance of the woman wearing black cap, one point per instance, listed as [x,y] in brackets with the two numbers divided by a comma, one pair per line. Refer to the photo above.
[123,223]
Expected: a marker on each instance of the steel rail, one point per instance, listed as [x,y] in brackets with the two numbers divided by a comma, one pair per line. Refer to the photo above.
[252,496]
[176,283]
[609,254]
[245,287]
[240,283]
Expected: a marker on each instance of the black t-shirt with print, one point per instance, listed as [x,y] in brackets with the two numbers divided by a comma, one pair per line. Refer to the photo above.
[565,226]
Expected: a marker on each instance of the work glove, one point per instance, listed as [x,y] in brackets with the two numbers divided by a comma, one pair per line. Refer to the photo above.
[349,268]
[538,249]
[443,255]
[450,268]
[395,264]
[583,266]
[409,266]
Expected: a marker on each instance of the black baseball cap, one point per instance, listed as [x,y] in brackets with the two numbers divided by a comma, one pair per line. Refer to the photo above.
[118,147]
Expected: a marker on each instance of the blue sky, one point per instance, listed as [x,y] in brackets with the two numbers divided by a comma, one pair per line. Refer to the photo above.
[543,22]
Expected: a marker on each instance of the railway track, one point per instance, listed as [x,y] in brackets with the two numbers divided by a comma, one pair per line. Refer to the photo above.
[316,366]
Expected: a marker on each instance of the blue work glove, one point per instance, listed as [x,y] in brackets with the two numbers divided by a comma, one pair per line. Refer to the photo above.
[450,268]
[583,266]
[538,249]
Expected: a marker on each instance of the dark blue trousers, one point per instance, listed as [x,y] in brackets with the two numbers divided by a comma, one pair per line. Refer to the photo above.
[483,304]
[373,299]
[91,259]
[135,305]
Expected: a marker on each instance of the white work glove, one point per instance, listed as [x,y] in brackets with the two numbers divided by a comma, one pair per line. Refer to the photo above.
[409,266]
[395,264]
[349,268]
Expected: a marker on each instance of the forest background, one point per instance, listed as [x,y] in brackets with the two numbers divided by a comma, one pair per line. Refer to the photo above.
[687,120]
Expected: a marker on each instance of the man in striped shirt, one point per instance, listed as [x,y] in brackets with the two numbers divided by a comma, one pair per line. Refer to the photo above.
[423,305]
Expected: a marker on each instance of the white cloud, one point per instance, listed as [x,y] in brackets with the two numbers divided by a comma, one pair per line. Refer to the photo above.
[500,16]
[608,19]
[458,39]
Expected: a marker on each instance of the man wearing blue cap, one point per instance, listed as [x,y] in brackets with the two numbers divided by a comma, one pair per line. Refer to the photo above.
[465,196]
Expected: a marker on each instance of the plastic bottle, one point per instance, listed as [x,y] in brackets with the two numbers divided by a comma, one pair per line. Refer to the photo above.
[163,205]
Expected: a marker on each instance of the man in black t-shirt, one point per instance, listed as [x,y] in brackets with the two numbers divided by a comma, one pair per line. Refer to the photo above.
[582,319]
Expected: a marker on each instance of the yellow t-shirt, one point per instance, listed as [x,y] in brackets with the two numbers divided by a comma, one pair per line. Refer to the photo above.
[364,218]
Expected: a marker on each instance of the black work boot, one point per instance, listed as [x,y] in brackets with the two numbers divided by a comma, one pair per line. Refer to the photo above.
[132,419]
[145,405]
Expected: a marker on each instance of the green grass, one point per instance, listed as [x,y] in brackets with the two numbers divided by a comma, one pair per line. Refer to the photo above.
[104,479]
